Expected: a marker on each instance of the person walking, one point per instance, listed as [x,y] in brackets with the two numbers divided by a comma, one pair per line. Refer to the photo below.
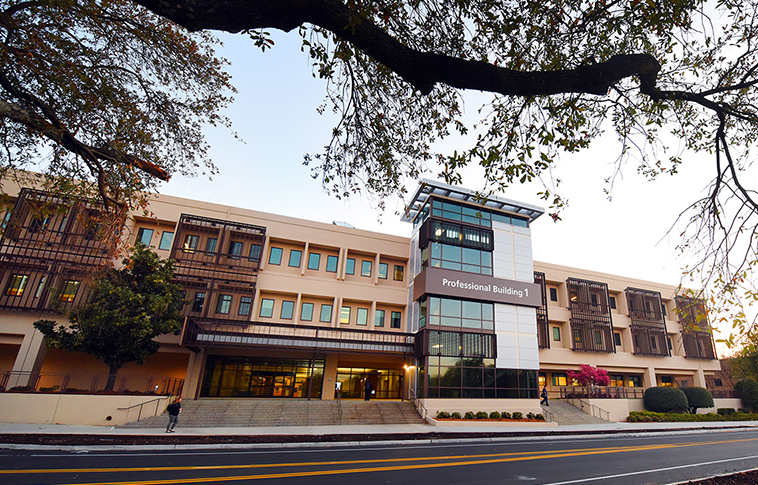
[173,414]
[543,395]
[368,390]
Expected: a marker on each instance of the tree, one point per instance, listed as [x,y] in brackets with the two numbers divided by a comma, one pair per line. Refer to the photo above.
[106,92]
[697,397]
[127,309]
[665,400]
[748,393]
[589,376]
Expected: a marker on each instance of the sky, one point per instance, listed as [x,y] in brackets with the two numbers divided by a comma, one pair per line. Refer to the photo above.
[275,114]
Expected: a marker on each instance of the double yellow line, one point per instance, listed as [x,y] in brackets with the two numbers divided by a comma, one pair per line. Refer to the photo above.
[415,463]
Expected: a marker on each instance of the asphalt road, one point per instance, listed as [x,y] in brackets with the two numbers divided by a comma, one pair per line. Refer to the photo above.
[648,459]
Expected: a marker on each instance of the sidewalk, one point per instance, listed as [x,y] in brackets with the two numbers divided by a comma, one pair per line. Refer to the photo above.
[34,436]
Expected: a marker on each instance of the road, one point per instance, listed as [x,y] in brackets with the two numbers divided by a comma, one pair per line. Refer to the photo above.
[647,459]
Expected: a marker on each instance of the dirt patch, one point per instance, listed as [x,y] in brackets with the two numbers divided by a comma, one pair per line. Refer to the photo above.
[744,478]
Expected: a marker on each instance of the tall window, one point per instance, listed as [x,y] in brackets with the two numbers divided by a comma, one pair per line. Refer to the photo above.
[275,257]
[198,302]
[399,270]
[314,261]
[255,252]
[16,285]
[553,294]
[295,257]
[70,287]
[379,318]
[210,245]
[288,310]
[557,334]
[166,239]
[383,270]
[345,315]
[326,313]
[395,320]
[267,308]
[190,243]
[144,236]
[349,266]
[306,312]
[235,249]
[245,304]
[362,317]
[224,304]
[365,268]
[331,264]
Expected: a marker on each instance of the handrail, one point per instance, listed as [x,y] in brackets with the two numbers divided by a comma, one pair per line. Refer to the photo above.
[418,404]
[593,408]
[548,415]
[157,406]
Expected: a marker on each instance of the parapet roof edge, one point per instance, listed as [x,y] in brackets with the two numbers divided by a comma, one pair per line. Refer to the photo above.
[428,187]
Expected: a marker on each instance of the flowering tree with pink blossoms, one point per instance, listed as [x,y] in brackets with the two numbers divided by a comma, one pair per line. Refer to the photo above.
[588,376]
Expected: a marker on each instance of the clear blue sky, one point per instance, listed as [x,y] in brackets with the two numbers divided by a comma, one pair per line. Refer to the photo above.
[275,113]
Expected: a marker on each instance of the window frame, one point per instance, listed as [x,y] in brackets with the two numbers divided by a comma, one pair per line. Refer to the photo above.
[399,273]
[69,297]
[379,322]
[198,303]
[190,243]
[314,258]
[350,266]
[293,253]
[556,334]
[345,315]
[399,319]
[275,255]
[267,304]
[166,241]
[325,307]
[383,275]
[247,302]
[141,232]
[224,304]
[287,304]
[16,290]
[329,259]
[211,244]
[302,307]
[364,263]
[361,317]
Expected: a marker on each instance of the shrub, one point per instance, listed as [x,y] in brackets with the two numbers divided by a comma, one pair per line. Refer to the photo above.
[505,415]
[726,411]
[54,388]
[494,415]
[749,390]
[539,417]
[481,415]
[456,415]
[443,415]
[469,415]
[697,397]
[517,415]
[665,400]
[21,389]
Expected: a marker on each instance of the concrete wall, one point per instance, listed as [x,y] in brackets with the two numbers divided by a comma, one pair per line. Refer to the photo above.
[462,405]
[75,409]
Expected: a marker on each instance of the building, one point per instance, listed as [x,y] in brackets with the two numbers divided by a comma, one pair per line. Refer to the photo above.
[458,315]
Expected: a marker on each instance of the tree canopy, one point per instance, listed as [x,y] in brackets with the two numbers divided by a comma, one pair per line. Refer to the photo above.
[668,78]
[127,309]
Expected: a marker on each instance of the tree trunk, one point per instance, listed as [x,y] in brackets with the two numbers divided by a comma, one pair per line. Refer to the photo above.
[111,378]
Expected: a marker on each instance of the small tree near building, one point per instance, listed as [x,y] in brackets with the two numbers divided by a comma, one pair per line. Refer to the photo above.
[697,397]
[749,393]
[127,309]
[590,376]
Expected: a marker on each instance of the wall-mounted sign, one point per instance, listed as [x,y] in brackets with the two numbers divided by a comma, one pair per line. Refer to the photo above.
[444,282]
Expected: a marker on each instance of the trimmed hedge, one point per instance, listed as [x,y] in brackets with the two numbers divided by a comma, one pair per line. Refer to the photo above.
[651,417]
[665,400]
[697,397]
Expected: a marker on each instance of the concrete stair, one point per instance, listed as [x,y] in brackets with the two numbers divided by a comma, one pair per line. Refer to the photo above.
[564,414]
[210,413]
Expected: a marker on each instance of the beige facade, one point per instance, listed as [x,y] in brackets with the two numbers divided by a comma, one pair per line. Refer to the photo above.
[281,307]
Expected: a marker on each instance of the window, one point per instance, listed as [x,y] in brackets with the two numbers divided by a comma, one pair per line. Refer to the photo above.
[598,337]
[210,245]
[40,287]
[255,252]
[326,313]
[345,315]
[70,287]
[557,334]
[379,318]
[295,257]
[267,308]
[717,383]
[667,381]
[449,312]
[616,338]
[613,302]
[331,264]
[395,320]
[16,285]
[144,236]
[450,256]
[350,266]
[559,379]
[306,312]
[38,223]
[275,256]
[635,381]
[553,294]
[365,268]
[224,304]
[653,342]
[399,270]
[198,302]
[573,296]
[593,299]
[617,380]
[383,270]
[362,318]
[245,304]
[314,261]
[235,249]
[288,310]
[190,243]
[578,336]
[166,239]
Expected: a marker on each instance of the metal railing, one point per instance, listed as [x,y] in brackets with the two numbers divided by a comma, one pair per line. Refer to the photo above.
[594,411]
[157,402]
[419,405]
[548,415]
[600,392]
[85,383]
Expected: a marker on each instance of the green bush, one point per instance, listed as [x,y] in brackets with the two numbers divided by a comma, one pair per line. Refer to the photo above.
[494,415]
[726,411]
[697,397]
[665,400]
[443,415]
[505,415]
[749,391]
[482,415]
[648,417]
[469,415]
[539,417]
[455,415]
[517,415]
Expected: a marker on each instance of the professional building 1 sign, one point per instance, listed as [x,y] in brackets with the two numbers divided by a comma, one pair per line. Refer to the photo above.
[442,282]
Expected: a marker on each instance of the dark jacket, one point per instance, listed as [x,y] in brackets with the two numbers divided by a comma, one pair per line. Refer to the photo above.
[174,409]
